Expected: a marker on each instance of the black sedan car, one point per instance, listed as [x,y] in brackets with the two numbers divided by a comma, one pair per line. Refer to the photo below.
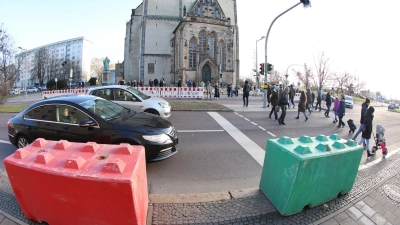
[87,118]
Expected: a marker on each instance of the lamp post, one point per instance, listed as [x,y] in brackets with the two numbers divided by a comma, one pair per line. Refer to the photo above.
[257,80]
[286,75]
[70,78]
[25,72]
[55,79]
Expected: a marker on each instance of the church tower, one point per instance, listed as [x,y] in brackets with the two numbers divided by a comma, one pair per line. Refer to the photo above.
[193,40]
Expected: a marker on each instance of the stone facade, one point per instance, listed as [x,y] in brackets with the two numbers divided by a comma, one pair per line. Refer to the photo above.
[182,39]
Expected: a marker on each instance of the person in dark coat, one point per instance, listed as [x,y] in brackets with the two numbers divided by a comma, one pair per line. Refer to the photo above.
[364,107]
[309,103]
[312,99]
[216,91]
[328,101]
[283,102]
[162,82]
[246,92]
[366,134]
[179,83]
[341,111]
[156,82]
[269,92]
[229,90]
[292,93]
[302,105]
[318,101]
[274,102]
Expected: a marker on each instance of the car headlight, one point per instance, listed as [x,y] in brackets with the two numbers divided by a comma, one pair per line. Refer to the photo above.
[161,138]
[163,105]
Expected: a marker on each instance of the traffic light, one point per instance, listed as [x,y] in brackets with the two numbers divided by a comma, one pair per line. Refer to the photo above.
[270,67]
[306,3]
[262,68]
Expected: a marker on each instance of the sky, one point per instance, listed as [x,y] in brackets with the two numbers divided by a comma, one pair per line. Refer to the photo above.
[360,37]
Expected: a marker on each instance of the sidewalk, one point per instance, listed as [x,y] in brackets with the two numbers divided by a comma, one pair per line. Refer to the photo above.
[374,199]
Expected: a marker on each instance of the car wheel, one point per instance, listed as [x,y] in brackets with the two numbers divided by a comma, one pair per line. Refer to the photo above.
[152,111]
[22,141]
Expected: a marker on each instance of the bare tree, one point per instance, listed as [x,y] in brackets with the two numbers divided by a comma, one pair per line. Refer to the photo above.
[275,77]
[323,73]
[9,65]
[96,68]
[341,80]
[39,63]
[353,85]
[305,78]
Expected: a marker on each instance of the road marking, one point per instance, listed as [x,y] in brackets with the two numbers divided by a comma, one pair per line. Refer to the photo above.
[198,131]
[5,142]
[240,115]
[252,148]
[254,123]
[261,128]
[246,119]
[273,135]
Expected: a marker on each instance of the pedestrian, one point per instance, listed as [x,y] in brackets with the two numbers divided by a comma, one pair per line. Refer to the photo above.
[312,99]
[156,82]
[134,83]
[232,90]
[318,101]
[341,111]
[209,91]
[328,101]
[194,84]
[140,83]
[162,82]
[129,83]
[228,89]
[366,133]
[246,92]
[364,107]
[292,93]
[302,105]
[216,91]
[309,103]
[189,83]
[179,83]
[274,102]
[336,104]
[202,84]
[269,92]
[237,90]
[283,102]
[151,83]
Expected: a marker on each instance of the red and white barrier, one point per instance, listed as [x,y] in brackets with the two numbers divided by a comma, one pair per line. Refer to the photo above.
[297,97]
[61,182]
[54,93]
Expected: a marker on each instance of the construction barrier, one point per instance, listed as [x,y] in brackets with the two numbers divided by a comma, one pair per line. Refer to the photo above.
[61,182]
[308,171]
[297,97]
[54,93]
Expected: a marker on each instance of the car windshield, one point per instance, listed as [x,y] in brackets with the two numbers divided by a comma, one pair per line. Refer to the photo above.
[103,108]
[349,98]
[138,93]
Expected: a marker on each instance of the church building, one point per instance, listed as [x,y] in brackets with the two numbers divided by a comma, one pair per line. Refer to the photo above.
[195,40]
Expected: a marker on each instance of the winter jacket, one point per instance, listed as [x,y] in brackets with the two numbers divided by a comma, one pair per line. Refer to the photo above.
[283,99]
[368,118]
[342,108]
[364,108]
[312,97]
[274,98]
[336,104]
[328,99]
[302,104]
[308,97]
[319,98]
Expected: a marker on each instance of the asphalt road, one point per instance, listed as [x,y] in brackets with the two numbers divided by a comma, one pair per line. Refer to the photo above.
[213,146]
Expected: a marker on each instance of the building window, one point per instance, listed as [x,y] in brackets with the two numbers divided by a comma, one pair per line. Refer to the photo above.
[150,68]
[211,45]
[203,44]
[192,53]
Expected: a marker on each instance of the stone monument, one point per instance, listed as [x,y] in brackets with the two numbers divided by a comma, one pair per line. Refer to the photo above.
[106,72]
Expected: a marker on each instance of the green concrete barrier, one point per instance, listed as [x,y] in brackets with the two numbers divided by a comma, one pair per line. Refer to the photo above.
[308,171]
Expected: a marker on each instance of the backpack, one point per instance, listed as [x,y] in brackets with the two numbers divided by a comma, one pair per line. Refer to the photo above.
[246,88]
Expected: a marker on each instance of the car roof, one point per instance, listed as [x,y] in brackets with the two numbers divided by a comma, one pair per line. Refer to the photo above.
[70,98]
[110,86]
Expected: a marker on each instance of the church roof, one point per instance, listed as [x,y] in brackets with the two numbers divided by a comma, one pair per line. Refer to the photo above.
[196,4]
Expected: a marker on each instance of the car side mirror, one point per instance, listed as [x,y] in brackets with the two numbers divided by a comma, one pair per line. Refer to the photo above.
[87,123]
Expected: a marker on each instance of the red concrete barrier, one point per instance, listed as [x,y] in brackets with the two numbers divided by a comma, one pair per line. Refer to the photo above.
[61,182]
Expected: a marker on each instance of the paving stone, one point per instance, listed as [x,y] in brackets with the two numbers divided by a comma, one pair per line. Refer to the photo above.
[342,216]
[369,201]
[7,221]
[330,222]
[388,223]
[380,209]
[2,217]
[381,200]
[368,211]
[354,213]
[373,194]
[389,216]
[365,221]
[390,207]
[378,219]
[360,204]
[348,221]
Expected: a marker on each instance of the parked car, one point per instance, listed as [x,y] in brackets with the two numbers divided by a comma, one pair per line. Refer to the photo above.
[134,99]
[87,118]
[349,101]
[32,89]
[392,106]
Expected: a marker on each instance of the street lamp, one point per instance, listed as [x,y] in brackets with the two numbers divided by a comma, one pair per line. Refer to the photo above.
[257,58]
[25,72]
[305,68]
[55,79]
[70,77]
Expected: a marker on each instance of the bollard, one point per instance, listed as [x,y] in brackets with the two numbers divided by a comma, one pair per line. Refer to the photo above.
[308,171]
[61,182]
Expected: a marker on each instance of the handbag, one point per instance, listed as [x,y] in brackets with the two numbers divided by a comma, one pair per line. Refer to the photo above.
[278,108]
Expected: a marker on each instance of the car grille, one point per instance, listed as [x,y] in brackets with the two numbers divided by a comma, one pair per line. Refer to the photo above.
[165,153]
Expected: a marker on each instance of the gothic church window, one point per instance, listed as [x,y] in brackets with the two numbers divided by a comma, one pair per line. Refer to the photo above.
[203,44]
[211,44]
[192,53]
[221,54]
